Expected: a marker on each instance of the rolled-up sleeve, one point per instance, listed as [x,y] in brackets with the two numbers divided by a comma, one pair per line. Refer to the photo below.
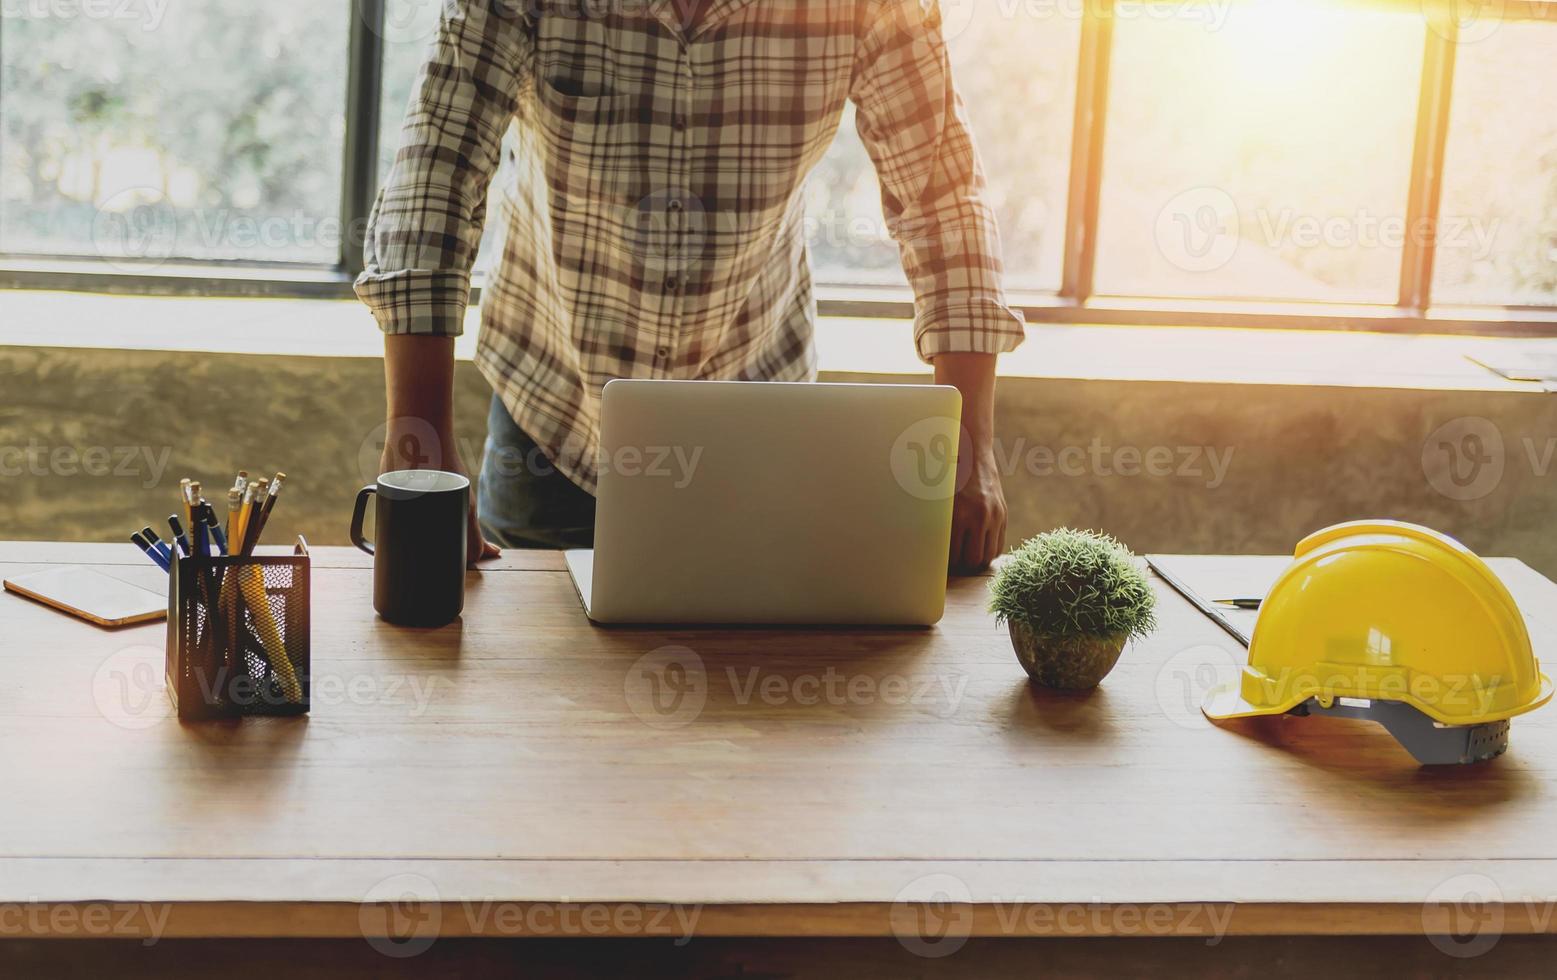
[915,127]
[425,227]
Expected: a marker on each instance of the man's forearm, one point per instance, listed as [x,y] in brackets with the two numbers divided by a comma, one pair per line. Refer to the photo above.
[974,376]
[419,385]
[979,509]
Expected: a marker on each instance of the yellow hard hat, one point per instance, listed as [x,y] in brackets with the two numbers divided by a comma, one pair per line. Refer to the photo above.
[1397,623]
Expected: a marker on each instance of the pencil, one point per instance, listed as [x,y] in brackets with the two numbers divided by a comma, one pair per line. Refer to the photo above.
[251,527]
[270,504]
[234,503]
[245,511]
[183,501]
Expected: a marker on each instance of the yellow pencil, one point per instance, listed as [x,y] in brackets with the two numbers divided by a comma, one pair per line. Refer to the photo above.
[186,509]
[234,501]
[251,527]
[246,509]
[251,583]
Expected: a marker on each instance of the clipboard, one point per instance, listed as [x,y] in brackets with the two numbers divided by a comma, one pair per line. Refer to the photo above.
[1203,579]
[90,595]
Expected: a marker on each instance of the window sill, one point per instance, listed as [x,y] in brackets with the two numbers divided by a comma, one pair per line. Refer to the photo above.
[849,346]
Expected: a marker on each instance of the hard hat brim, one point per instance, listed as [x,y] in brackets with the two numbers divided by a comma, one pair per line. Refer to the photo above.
[1226,701]
[1545,695]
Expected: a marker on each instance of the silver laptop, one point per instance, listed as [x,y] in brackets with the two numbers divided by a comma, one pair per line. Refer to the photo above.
[769,503]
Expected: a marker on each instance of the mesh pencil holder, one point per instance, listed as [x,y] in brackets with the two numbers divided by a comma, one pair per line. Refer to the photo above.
[238,635]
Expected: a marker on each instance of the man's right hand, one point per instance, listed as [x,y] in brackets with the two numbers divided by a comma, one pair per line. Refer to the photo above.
[419,383]
[407,450]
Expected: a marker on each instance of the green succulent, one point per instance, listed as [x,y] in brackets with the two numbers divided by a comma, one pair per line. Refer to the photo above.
[1069,583]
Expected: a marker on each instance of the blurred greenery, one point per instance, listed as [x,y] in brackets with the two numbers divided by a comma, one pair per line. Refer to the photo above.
[225,116]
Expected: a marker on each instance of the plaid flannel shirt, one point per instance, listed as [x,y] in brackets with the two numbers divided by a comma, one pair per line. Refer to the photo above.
[656,226]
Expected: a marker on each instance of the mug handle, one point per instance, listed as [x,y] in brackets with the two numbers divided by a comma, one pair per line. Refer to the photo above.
[358,513]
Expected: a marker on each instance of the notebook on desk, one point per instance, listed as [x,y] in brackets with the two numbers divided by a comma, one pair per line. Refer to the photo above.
[1213,582]
[90,595]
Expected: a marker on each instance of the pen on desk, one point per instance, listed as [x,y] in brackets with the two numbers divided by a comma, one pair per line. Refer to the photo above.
[178,536]
[1237,603]
[198,536]
[158,543]
[200,530]
[209,514]
[152,553]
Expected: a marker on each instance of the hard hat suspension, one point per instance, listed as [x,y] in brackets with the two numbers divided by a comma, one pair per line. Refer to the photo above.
[1430,743]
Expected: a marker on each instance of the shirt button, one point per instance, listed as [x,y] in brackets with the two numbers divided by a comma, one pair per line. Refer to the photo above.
[672,283]
[663,353]
[679,123]
[675,205]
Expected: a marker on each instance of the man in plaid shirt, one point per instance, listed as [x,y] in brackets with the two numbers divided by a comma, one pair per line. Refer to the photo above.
[656,227]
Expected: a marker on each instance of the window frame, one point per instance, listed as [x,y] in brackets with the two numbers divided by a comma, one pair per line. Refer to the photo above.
[1075,301]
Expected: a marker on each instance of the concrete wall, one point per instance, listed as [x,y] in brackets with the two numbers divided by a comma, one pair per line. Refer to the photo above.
[101,437]
[160,416]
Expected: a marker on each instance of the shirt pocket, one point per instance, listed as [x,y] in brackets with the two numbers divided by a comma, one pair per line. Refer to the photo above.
[590,142]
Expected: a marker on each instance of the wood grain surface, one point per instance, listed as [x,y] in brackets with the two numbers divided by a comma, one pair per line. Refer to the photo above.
[521,766]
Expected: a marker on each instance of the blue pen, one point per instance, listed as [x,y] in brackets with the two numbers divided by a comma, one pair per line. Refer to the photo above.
[216,529]
[152,553]
[158,543]
[178,536]
[202,540]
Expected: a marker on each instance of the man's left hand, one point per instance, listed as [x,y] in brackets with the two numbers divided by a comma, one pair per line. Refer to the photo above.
[978,511]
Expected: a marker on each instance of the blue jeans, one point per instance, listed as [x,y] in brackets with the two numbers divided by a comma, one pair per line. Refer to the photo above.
[522,500]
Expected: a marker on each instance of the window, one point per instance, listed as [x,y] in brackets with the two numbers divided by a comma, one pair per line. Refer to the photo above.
[1015,66]
[848,237]
[1260,151]
[1497,241]
[1364,162]
[409,29]
[136,133]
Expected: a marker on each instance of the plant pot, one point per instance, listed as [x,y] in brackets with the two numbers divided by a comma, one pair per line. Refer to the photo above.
[1069,663]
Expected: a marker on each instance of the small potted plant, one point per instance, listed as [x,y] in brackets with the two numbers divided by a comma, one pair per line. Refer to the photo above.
[1071,600]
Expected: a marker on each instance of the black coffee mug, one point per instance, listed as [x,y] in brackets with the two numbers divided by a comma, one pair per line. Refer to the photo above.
[419,547]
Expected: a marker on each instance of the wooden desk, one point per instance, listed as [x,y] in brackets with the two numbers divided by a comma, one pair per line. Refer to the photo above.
[511,776]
